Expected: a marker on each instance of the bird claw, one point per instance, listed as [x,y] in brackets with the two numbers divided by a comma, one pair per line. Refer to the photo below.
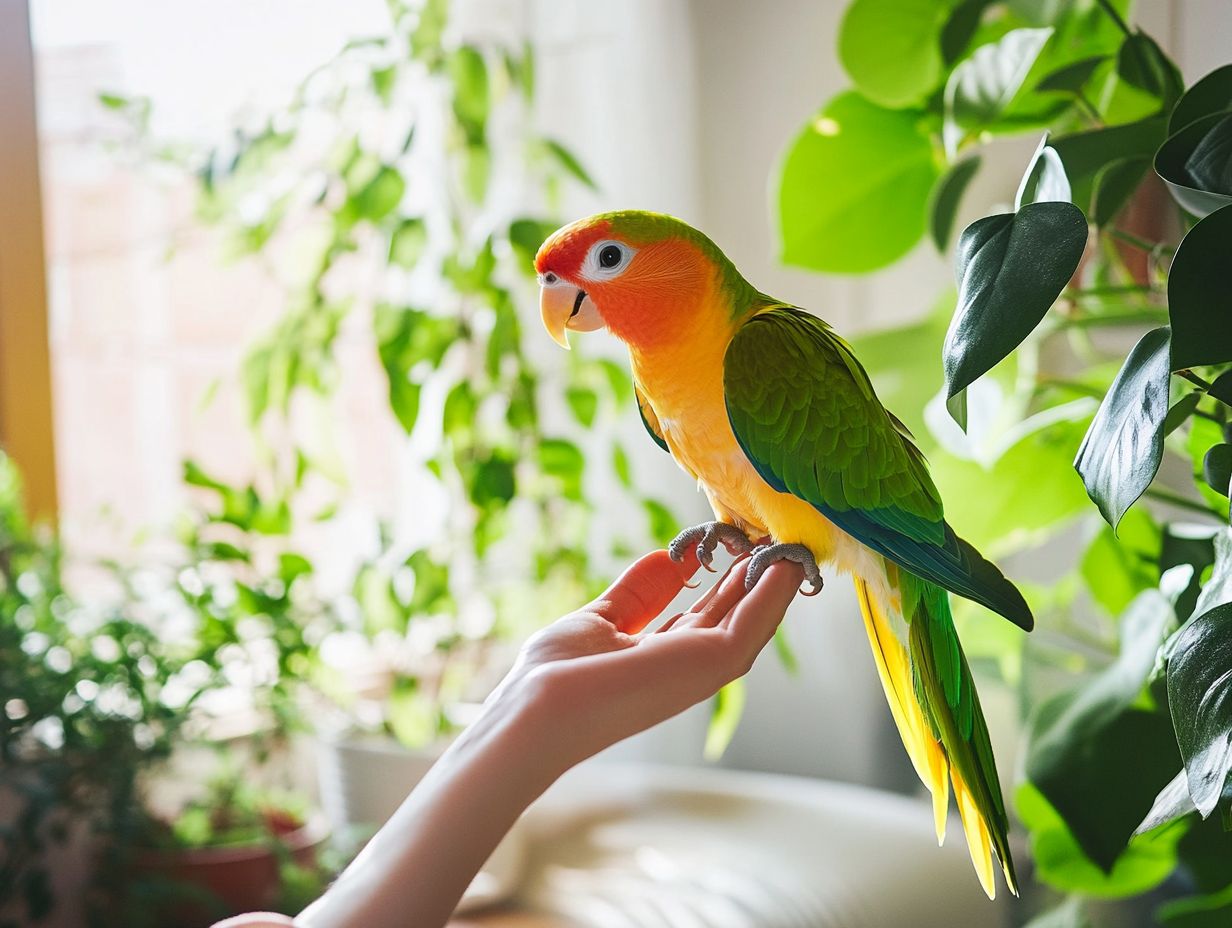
[707,537]
[765,555]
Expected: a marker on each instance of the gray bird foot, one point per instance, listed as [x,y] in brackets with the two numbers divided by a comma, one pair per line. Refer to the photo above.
[765,555]
[707,537]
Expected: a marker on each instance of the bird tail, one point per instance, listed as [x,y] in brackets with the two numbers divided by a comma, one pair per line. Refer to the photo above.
[937,710]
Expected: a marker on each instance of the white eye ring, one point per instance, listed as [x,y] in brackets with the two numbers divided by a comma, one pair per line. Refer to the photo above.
[598,263]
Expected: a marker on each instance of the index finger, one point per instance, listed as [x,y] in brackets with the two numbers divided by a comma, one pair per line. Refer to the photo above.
[644,590]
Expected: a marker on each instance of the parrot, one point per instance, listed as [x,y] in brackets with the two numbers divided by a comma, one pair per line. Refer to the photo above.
[768,409]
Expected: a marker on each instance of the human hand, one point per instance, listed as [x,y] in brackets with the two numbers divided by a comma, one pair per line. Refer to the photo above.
[595,677]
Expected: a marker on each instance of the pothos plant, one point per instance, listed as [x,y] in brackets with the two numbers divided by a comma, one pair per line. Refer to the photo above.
[1087,360]
[403,192]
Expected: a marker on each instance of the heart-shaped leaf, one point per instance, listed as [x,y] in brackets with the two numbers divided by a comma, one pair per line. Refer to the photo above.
[1011,268]
[1199,300]
[1172,163]
[1143,64]
[1125,443]
[1114,185]
[1044,180]
[1212,94]
[983,86]
[854,188]
[1200,698]
[1221,388]
[1085,154]
[1217,468]
[1209,165]
[945,198]
[891,48]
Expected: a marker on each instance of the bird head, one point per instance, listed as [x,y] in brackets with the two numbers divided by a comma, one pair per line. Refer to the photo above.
[643,276]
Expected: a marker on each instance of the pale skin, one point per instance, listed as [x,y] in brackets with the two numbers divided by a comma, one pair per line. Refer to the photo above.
[592,678]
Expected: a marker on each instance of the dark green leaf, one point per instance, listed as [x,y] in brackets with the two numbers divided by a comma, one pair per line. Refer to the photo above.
[1044,180]
[1010,270]
[960,28]
[1076,739]
[944,200]
[1217,468]
[1172,164]
[1085,154]
[1114,185]
[494,481]
[1210,164]
[1180,412]
[1073,77]
[1187,545]
[1143,64]
[1212,94]
[569,161]
[891,48]
[1125,443]
[1200,698]
[1199,298]
[853,193]
[1221,388]
[981,88]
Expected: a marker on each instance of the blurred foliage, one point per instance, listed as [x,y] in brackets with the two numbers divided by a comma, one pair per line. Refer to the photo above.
[1126,680]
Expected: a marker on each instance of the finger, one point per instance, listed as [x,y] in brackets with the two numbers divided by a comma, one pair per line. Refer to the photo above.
[709,594]
[644,590]
[720,604]
[753,621]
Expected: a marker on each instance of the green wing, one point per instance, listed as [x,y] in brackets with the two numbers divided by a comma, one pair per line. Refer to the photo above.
[649,419]
[804,411]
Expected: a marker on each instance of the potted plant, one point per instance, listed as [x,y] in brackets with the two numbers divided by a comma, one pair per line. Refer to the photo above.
[1086,362]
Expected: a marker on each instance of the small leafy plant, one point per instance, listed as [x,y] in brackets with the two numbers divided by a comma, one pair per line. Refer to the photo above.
[1091,326]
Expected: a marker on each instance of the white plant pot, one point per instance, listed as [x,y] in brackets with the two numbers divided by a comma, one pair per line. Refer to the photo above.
[363,779]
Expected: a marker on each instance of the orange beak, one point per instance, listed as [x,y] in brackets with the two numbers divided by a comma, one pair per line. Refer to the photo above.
[565,307]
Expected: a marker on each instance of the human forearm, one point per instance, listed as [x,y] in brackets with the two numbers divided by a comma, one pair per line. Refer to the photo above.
[415,869]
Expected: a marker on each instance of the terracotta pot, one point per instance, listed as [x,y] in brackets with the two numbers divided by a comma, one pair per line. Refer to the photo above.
[195,886]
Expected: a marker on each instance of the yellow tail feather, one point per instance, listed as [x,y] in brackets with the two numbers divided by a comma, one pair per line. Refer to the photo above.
[926,753]
[894,667]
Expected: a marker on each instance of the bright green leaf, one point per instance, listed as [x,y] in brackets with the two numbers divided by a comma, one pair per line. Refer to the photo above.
[407,243]
[724,719]
[584,403]
[891,48]
[569,161]
[853,192]
[1143,64]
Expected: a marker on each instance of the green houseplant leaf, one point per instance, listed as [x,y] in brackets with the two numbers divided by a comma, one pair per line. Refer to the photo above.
[1210,137]
[1125,443]
[1044,180]
[981,88]
[853,191]
[1212,94]
[1200,697]
[891,48]
[1010,268]
[1085,154]
[1143,64]
[1198,294]
[1114,184]
[945,198]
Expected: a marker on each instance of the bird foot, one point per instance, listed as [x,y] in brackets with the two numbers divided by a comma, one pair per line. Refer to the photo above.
[765,555]
[707,537]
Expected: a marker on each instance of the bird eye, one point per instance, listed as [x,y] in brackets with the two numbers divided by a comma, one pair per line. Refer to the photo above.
[549,278]
[607,260]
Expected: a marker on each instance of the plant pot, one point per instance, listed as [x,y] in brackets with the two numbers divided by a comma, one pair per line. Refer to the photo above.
[195,886]
[363,779]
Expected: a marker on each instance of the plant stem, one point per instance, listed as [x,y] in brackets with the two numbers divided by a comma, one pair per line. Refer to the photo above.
[1194,379]
[1148,316]
[1072,386]
[1181,502]
[1115,16]
[1089,108]
[1143,244]
[1112,290]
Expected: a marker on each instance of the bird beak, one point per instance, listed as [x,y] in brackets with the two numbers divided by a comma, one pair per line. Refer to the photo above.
[566,307]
